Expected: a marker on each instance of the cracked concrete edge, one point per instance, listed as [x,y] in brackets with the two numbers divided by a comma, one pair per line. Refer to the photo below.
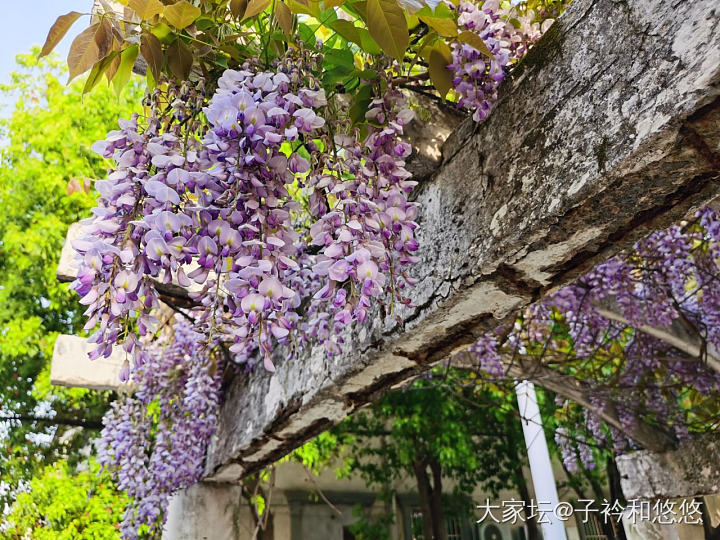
[606,155]
[691,470]
[70,365]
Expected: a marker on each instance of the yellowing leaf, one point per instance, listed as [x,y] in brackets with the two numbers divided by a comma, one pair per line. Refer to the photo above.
[284,17]
[301,6]
[443,26]
[180,59]
[237,8]
[146,9]
[97,71]
[127,61]
[440,58]
[475,42]
[112,68]
[58,30]
[84,51]
[255,7]
[387,25]
[181,14]
[151,50]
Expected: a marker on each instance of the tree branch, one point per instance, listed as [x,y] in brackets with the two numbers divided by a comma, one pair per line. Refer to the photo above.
[87,424]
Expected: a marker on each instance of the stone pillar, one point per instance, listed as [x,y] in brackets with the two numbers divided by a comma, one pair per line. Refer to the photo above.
[208,512]
[539,459]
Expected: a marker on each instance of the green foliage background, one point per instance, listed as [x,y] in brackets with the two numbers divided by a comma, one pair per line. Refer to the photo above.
[45,144]
[63,504]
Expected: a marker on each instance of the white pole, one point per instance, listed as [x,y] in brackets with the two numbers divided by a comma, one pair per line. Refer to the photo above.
[540,466]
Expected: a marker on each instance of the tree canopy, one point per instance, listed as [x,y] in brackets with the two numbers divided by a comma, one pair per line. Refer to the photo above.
[46,173]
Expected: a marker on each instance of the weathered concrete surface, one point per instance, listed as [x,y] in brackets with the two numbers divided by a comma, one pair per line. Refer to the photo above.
[607,130]
[207,512]
[69,264]
[71,366]
[691,470]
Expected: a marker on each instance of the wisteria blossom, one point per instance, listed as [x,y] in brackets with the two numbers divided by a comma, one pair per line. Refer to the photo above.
[618,316]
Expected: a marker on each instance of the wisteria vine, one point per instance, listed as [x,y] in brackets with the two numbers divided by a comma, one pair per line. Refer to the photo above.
[640,331]
[282,218]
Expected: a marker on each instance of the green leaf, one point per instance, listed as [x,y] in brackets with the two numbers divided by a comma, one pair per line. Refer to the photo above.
[443,26]
[163,32]
[440,58]
[151,49]
[476,42]
[368,44]
[346,29]
[255,7]
[306,33]
[181,14]
[146,9]
[112,68]
[363,97]
[127,61]
[58,30]
[441,11]
[180,59]
[97,72]
[301,6]
[387,25]
[339,57]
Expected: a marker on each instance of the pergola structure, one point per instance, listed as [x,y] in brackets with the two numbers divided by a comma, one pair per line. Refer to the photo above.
[608,129]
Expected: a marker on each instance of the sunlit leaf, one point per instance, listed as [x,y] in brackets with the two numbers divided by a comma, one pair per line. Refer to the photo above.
[181,14]
[255,7]
[146,9]
[58,31]
[475,42]
[127,61]
[84,51]
[440,58]
[387,25]
[284,17]
[443,26]
[346,29]
[114,64]
[300,6]
[97,72]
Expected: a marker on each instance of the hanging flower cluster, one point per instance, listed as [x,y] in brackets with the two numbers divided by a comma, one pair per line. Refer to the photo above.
[154,441]
[507,35]
[642,327]
[226,212]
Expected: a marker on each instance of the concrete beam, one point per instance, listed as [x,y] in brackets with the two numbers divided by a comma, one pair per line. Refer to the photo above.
[693,469]
[610,128]
[71,366]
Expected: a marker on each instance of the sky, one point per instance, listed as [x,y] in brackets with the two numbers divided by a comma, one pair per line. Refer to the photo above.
[26,22]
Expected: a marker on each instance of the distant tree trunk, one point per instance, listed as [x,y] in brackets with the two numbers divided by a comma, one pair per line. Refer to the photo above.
[425,492]
[711,533]
[521,484]
[436,505]
[431,498]
[616,493]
